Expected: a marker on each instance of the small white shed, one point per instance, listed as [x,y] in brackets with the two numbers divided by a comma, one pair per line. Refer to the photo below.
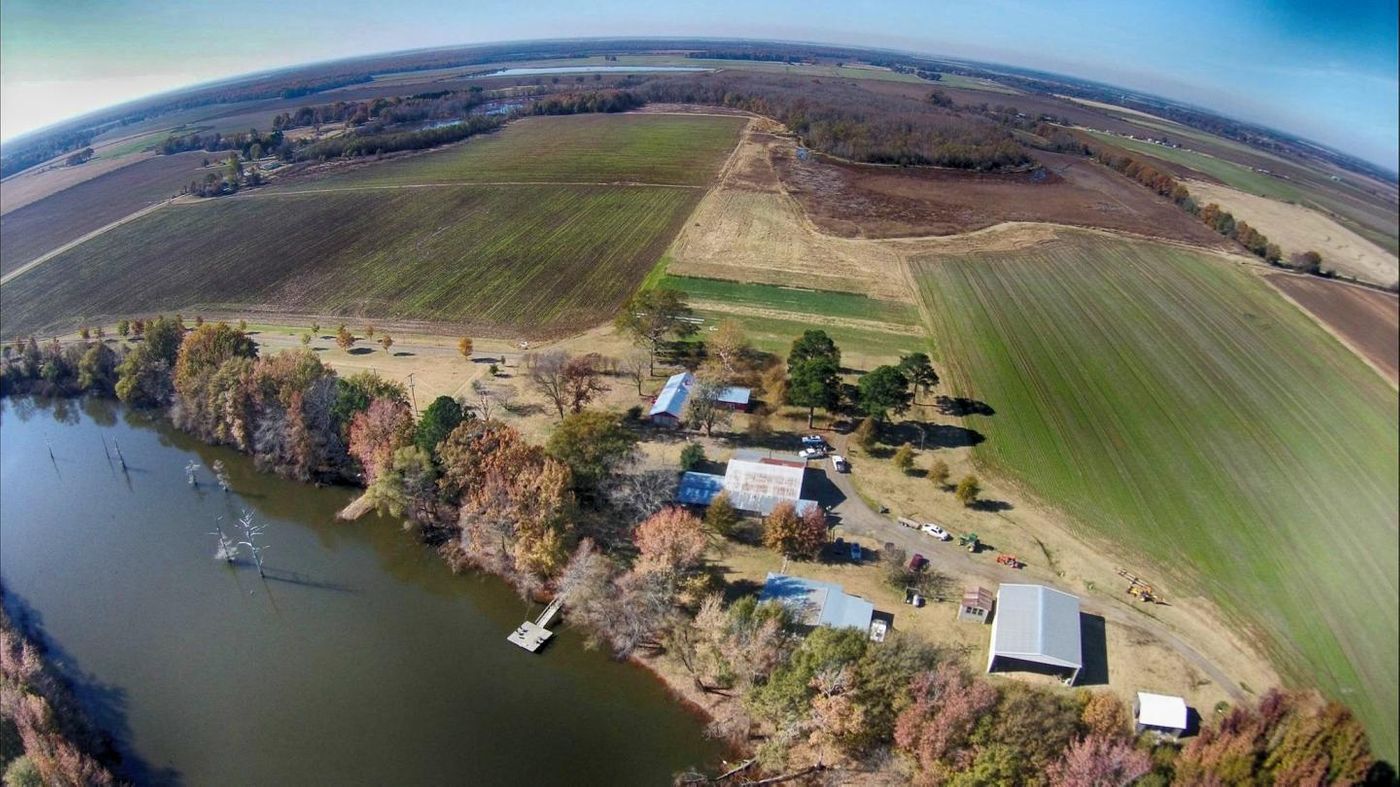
[1160,713]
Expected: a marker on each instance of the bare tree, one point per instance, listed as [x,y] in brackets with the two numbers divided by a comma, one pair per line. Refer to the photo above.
[227,549]
[191,471]
[485,398]
[547,375]
[705,408]
[221,475]
[251,534]
[636,366]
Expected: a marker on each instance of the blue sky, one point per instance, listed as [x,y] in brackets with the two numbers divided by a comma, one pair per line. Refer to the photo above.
[1325,71]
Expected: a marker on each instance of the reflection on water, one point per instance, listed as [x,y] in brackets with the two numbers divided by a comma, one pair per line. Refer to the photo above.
[360,659]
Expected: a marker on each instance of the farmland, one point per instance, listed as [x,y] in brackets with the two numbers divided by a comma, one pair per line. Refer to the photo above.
[1249,454]
[41,226]
[540,258]
[633,148]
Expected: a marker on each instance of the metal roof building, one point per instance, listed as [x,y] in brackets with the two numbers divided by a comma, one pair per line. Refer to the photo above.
[816,603]
[735,397]
[670,400]
[1039,625]
[698,489]
[1161,713]
[758,484]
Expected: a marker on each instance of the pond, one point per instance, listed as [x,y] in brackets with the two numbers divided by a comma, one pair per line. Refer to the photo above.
[361,659]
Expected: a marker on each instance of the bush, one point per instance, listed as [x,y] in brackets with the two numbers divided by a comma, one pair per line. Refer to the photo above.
[968,490]
[865,434]
[904,458]
[721,518]
[938,473]
[692,456]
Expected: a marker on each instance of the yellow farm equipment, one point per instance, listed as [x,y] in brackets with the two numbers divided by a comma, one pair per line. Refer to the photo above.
[1140,590]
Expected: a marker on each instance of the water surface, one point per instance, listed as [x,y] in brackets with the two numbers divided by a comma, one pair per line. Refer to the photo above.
[361,660]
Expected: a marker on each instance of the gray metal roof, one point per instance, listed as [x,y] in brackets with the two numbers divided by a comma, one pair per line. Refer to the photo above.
[818,603]
[1037,623]
[671,399]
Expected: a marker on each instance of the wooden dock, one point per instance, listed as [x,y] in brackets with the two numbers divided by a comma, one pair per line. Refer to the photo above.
[531,635]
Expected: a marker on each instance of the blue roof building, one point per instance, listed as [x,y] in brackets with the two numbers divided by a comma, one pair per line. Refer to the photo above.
[815,603]
[698,489]
[670,400]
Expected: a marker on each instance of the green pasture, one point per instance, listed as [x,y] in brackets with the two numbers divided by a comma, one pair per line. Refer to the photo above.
[1175,405]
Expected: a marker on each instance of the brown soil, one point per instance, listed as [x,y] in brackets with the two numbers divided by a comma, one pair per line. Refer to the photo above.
[864,201]
[1366,320]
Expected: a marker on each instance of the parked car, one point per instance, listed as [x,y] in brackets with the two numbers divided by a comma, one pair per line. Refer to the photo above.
[839,464]
[856,552]
[812,453]
[813,441]
[878,629]
[918,562]
[936,531]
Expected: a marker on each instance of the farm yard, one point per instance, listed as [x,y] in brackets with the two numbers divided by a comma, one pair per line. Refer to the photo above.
[1246,453]
[540,259]
[41,226]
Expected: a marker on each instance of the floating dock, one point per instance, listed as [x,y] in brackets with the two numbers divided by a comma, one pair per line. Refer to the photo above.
[531,635]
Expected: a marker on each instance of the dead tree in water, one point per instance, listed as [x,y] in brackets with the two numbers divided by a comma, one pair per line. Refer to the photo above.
[227,550]
[190,470]
[221,474]
[120,458]
[251,533]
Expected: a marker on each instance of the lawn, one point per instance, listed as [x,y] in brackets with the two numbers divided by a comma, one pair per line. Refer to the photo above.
[540,260]
[1175,405]
[637,148]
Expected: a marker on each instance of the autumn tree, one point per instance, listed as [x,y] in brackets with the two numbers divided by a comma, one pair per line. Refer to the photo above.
[934,728]
[386,341]
[721,517]
[968,490]
[407,486]
[1099,760]
[939,473]
[792,535]
[344,339]
[671,540]
[375,434]
[1105,715]
[866,433]
[904,458]
[464,346]
[653,315]
[205,349]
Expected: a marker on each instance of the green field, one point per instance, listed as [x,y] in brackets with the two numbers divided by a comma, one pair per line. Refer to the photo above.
[543,259]
[868,330]
[1227,172]
[1178,407]
[635,148]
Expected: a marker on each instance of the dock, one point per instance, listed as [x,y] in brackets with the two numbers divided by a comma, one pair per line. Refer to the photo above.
[531,635]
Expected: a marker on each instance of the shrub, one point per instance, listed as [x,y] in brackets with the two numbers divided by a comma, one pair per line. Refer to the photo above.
[904,458]
[692,456]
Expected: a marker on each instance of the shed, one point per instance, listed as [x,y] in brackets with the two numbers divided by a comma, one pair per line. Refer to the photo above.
[669,406]
[1036,626]
[976,605]
[734,398]
[815,603]
[1161,713]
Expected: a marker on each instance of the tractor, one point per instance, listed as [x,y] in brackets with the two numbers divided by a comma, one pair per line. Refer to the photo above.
[970,541]
[1010,560]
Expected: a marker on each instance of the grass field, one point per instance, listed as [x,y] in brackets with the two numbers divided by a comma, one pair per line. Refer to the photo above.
[42,226]
[868,330]
[636,148]
[1175,405]
[1227,172]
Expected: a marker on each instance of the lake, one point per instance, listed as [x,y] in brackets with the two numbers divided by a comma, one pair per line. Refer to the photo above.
[361,659]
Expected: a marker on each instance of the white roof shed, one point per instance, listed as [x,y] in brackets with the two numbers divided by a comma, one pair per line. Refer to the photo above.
[1036,624]
[1161,712]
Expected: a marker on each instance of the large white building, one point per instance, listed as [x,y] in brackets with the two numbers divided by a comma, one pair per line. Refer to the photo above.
[1036,626]
[754,483]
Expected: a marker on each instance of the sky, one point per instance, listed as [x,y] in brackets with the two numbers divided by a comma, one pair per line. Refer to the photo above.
[1325,71]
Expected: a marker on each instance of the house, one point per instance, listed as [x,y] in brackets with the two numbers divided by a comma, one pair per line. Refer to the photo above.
[754,483]
[1036,628]
[976,605]
[1164,715]
[668,409]
[734,398]
[815,603]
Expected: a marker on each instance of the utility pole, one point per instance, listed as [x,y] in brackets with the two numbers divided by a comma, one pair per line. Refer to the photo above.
[411,392]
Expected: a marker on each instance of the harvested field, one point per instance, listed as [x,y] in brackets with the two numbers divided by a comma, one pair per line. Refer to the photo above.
[538,260]
[1174,406]
[35,184]
[1367,320]
[1297,229]
[44,225]
[632,148]
[862,201]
